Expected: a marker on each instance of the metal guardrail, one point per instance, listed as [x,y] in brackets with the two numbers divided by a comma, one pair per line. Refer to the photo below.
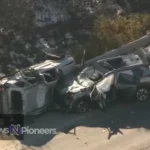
[128,48]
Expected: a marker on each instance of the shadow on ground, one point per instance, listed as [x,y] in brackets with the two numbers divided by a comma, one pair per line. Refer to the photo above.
[124,115]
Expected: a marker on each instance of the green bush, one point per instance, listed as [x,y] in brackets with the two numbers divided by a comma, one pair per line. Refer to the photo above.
[110,33]
[114,32]
[92,47]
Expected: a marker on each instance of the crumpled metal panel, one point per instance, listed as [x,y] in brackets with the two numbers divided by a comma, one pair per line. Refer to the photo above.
[105,84]
[101,88]
[38,97]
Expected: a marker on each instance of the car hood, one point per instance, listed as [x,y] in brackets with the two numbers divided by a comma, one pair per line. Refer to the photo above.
[74,87]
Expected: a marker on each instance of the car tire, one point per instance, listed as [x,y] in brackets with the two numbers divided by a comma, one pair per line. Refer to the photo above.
[81,106]
[142,94]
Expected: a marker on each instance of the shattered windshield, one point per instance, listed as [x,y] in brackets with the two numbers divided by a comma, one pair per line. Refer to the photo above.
[88,76]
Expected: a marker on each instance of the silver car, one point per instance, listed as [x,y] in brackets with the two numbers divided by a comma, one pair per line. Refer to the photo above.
[118,78]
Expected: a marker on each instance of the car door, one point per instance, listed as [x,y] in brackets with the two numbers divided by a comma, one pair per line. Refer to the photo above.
[126,85]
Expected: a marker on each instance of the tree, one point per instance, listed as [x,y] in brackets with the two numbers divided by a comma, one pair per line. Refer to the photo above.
[16,15]
[114,32]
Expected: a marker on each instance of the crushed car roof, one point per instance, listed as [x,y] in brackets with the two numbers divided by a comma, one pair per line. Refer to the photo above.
[122,61]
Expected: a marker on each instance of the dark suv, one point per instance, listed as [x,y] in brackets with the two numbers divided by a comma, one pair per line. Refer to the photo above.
[122,77]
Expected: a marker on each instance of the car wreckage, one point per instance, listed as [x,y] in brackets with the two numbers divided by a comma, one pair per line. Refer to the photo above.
[29,91]
[123,77]
[33,90]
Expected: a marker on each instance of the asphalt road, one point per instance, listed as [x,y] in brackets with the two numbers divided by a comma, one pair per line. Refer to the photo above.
[126,126]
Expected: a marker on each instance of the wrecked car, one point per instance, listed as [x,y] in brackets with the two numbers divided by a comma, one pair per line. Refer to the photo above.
[29,91]
[123,77]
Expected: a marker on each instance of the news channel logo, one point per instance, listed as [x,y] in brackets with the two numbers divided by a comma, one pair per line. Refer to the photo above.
[15,130]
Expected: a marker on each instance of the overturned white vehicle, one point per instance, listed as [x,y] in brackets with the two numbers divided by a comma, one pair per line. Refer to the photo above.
[29,91]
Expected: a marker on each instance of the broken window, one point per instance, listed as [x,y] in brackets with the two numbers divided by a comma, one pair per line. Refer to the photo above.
[138,72]
[116,63]
[52,72]
[146,72]
[50,75]
[141,72]
[48,78]
[126,77]
[20,84]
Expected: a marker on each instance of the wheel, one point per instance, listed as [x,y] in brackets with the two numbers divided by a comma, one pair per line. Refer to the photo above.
[81,106]
[142,94]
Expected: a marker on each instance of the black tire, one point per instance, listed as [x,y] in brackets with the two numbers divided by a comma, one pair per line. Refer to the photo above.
[81,106]
[142,94]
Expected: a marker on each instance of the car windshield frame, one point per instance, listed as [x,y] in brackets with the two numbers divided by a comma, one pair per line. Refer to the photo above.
[106,65]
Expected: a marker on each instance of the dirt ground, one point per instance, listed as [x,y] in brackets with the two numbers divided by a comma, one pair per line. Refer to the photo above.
[126,126]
